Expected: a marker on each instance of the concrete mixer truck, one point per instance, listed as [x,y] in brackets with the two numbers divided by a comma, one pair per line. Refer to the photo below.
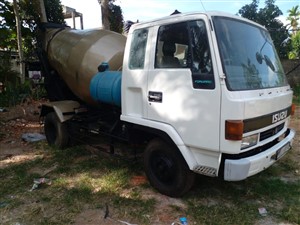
[203,93]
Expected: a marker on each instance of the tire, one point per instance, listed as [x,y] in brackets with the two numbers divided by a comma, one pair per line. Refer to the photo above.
[55,131]
[166,169]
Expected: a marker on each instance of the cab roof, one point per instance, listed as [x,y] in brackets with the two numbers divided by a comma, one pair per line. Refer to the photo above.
[190,16]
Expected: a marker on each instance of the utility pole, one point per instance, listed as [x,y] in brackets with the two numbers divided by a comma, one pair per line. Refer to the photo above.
[19,40]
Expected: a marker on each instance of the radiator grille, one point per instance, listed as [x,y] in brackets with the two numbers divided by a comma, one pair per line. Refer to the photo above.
[271,132]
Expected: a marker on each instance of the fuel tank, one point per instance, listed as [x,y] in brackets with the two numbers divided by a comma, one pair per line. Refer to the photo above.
[76,55]
[105,86]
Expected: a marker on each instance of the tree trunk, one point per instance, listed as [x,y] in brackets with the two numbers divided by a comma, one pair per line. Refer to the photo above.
[105,13]
[19,39]
[43,12]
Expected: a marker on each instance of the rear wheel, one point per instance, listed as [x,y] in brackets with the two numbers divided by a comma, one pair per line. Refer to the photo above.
[166,169]
[55,131]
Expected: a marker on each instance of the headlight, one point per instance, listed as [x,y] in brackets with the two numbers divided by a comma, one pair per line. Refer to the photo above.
[249,141]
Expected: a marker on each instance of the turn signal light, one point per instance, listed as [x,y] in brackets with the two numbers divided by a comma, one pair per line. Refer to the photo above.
[234,130]
[293,109]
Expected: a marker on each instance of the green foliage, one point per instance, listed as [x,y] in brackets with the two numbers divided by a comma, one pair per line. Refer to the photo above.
[112,17]
[5,67]
[250,11]
[8,78]
[28,10]
[30,18]
[293,17]
[8,26]
[15,93]
[54,11]
[116,18]
[7,20]
[295,43]
[267,17]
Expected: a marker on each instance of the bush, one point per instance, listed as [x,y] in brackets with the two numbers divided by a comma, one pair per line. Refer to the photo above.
[15,94]
[295,53]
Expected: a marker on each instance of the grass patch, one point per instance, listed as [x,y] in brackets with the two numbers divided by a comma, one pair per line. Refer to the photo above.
[135,208]
[82,194]
[84,181]
[238,202]
[114,180]
[16,177]
[222,214]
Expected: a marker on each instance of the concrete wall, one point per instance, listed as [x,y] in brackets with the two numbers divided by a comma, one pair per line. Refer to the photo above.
[293,77]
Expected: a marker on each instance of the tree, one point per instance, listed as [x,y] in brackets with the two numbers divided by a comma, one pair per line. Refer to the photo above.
[267,17]
[19,41]
[293,17]
[54,11]
[295,44]
[28,10]
[7,21]
[250,11]
[116,19]
[112,18]
[28,20]
[29,16]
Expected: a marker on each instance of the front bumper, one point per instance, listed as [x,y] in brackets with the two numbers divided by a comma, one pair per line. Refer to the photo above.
[240,169]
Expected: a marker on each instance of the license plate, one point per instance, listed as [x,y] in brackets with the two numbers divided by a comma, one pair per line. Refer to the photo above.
[280,152]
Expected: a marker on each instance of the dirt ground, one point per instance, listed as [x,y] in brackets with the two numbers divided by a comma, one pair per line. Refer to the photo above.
[25,119]
[15,122]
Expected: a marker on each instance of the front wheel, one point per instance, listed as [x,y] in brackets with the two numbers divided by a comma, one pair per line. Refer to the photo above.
[166,169]
[55,131]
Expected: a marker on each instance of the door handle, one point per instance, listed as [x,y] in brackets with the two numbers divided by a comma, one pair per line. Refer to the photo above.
[155,96]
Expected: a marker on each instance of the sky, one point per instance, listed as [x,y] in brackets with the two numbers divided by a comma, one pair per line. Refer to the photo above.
[144,10]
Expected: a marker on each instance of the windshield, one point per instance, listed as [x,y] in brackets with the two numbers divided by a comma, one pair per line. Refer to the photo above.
[248,56]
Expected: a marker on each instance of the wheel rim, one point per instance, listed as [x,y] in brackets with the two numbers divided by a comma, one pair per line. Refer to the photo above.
[163,168]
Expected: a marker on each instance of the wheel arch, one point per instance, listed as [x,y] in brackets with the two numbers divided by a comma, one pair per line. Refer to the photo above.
[63,109]
[165,132]
[150,133]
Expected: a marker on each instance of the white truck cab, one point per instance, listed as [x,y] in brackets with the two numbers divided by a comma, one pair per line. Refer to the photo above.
[214,84]
[205,92]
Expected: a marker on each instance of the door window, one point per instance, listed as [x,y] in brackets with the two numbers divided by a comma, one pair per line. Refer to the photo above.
[172,46]
[185,45]
[138,49]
